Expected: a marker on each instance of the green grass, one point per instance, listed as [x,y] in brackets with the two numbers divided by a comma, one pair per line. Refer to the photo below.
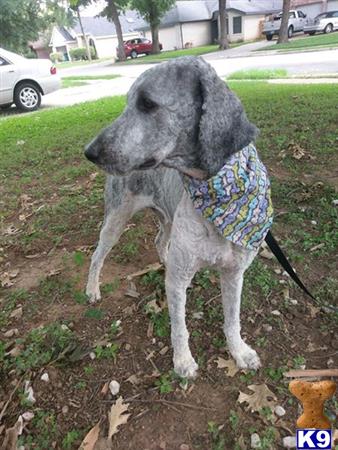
[42,156]
[322,40]
[90,77]
[258,74]
[81,80]
[69,64]
[71,83]
[170,54]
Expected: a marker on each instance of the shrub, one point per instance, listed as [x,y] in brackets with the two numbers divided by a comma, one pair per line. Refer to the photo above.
[78,54]
[56,57]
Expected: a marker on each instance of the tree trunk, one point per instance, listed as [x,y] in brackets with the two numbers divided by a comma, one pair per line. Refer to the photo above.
[223,34]
[89,56]
[283,31]
[155,38]
[116,20]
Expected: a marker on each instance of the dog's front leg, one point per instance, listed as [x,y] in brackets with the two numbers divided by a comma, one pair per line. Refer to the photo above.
[113,226]
[231,284]
[179,273]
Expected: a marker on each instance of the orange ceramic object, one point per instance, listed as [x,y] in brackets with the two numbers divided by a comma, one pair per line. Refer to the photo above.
[312,395]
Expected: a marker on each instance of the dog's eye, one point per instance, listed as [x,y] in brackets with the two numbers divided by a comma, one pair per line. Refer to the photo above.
[145,104]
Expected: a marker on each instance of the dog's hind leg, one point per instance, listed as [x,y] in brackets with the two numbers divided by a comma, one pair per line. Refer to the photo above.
[231,284]
[114,223]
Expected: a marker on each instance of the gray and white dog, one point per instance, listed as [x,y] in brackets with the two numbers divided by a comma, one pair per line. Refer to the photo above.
[180,115]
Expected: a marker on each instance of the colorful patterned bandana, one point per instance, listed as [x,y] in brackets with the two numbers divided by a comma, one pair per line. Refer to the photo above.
[237,200]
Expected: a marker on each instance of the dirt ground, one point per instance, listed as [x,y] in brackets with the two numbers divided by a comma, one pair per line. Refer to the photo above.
[203,414]
[53,212]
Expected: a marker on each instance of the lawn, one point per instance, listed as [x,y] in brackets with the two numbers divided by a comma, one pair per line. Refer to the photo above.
[51,213]
[258,74]
[169,54]
[321,40]
[82,80]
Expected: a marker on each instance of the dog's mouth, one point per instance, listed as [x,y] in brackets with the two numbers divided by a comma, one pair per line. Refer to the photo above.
[148,164]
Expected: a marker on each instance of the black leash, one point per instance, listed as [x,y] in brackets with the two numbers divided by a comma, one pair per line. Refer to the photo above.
[283,261]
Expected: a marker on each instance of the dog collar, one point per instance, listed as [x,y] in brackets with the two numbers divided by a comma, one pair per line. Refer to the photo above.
[237,200]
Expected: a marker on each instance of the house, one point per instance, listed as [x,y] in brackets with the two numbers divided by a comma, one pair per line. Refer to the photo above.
[100,32]
[196,22]
[314,7]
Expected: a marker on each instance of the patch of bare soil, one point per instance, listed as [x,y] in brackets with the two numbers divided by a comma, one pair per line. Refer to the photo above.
[165,413]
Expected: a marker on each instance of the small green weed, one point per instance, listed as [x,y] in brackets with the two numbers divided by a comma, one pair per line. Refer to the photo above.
[109,288]
[218,440]
[68,442]
[165,384]
[41,346]
[94,313]
[110,351]
[154,279]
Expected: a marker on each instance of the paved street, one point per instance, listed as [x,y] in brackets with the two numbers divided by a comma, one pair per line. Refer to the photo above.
[224,62]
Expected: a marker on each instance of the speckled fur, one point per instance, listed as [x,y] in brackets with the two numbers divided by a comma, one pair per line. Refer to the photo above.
[179,115]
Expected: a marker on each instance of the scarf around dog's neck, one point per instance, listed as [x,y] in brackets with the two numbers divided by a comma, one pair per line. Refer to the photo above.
[237,200]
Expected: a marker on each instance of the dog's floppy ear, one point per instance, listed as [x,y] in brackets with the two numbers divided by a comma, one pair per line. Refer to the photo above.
[224,127]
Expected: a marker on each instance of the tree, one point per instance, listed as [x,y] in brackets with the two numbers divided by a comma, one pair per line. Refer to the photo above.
[111,11]
[152,11]
[75,6]
[20,22]
[223,36]
[284,27]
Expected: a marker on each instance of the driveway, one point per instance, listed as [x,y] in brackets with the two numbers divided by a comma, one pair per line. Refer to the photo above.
[224,62]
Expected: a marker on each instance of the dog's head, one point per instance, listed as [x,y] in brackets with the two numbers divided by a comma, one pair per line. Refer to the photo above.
[179,114]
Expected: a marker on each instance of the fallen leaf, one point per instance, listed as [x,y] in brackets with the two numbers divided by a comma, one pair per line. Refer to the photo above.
[154,306]
[11,230]
[12,434]
[17,313]
[132,291]
[91,438]
[92,176]
[133,380]
[265,253]
[228,364]
[149,268]
[5,280]
[116,416]
[261,397]
[104,390]
[297,151]
[313,310]
[241,443]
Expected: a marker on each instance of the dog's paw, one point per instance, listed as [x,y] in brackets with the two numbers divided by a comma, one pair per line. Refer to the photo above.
[94,295]
[247,358]
[186,367]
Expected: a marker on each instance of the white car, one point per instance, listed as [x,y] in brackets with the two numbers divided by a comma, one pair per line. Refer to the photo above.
[23,81]
[323,23]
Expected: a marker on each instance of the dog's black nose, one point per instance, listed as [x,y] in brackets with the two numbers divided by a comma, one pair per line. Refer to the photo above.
[92,152]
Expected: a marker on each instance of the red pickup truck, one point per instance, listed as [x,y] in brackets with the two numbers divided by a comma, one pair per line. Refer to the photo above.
[137,46]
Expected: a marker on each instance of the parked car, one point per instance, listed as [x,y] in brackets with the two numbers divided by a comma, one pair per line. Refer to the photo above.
[297,22]
[323,23]
[138,46]
[23,81]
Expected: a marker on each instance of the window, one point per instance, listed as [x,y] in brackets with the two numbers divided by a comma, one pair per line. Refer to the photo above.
[301,14]
[237,25]
[292,15]
[3,62]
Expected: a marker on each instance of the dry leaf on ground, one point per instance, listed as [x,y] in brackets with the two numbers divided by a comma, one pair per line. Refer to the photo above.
[116,417]
[12,434]
[261,397]
[151,267]
[91,438]
[228,364]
